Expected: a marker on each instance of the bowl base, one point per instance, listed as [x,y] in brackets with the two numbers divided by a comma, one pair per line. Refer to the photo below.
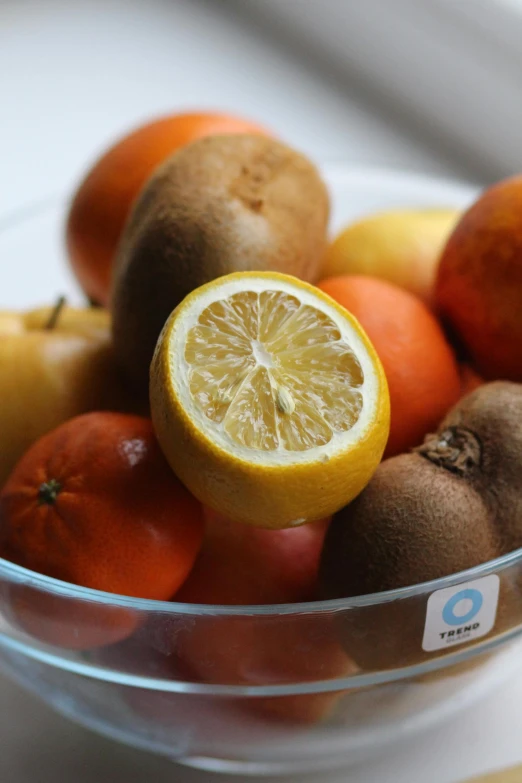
[260,769]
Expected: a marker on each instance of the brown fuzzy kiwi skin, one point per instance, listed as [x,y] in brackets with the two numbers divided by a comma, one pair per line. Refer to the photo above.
[454,503]
[221,204]
[493,412]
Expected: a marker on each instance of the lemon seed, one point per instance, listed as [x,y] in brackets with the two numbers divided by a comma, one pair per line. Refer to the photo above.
[284,400]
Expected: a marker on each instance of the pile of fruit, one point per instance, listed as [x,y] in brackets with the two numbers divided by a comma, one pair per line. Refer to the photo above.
[250,413]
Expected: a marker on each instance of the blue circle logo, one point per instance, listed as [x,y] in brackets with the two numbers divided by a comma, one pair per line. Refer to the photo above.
[448,613]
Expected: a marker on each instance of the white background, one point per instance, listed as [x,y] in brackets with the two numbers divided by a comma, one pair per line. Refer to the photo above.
[74,75]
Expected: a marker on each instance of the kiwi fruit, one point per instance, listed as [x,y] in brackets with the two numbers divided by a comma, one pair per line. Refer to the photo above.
[221,204]
[453,503]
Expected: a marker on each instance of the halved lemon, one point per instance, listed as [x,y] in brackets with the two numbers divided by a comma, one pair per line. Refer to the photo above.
[268,399]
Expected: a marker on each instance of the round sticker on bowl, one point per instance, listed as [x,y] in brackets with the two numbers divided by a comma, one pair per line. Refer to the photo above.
[461,613]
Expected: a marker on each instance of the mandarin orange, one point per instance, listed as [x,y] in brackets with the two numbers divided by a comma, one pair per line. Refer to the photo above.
[420,366]
[94,503]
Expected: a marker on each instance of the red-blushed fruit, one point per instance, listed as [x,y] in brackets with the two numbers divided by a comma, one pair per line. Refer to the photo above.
[419,363]
[243,565]
[479,282]
[239,564]
[94,503]
[104,199]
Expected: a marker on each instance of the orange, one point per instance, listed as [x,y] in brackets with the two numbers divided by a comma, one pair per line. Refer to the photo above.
[479,282]
[103,200]
[94,503]
[420,366]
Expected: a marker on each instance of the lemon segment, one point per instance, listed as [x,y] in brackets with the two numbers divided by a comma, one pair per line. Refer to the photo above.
[268,399]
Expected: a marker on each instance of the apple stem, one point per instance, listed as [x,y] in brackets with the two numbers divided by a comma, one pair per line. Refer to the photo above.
[48,492]
[53,318]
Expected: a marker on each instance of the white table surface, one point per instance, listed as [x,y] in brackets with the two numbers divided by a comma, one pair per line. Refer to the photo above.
[40,747]
[73,76]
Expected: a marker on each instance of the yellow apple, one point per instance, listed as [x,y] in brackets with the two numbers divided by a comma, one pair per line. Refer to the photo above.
[55,363]
[401,246]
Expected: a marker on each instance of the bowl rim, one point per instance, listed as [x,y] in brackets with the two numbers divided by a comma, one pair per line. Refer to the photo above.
[20,575]
[370,175]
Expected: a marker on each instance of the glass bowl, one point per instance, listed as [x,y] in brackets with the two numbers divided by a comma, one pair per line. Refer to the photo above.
[258,689]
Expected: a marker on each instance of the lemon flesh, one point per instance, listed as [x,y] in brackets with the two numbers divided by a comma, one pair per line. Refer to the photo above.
[272,372]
